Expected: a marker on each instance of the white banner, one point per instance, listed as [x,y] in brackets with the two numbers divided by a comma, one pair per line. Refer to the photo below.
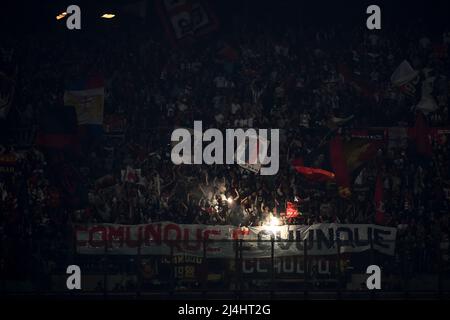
[166,237]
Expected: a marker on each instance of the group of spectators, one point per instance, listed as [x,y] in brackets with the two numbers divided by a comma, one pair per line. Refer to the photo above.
[298,80]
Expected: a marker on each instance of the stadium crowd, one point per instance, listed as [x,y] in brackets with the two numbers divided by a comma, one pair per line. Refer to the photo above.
[299,80]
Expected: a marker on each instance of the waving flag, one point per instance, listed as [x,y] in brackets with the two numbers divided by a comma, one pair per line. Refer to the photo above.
[341,159]
[403,76]
[291,210]
[87,96]
[362,147]
[314,174]
[417,85]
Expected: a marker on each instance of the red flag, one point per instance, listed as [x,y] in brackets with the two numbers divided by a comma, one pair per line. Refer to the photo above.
[340,159]
[379,203]
[291,210]
[315,174]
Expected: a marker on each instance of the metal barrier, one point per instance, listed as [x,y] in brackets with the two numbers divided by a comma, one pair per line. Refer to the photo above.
[407,274]
[339,275]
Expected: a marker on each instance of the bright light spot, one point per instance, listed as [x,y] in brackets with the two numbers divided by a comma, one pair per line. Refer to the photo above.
[274,221]
[273,224]
[230,200]
[108,15]
[61,15]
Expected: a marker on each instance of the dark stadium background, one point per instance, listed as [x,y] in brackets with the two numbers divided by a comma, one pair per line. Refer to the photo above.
[20,19]
[20,15]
